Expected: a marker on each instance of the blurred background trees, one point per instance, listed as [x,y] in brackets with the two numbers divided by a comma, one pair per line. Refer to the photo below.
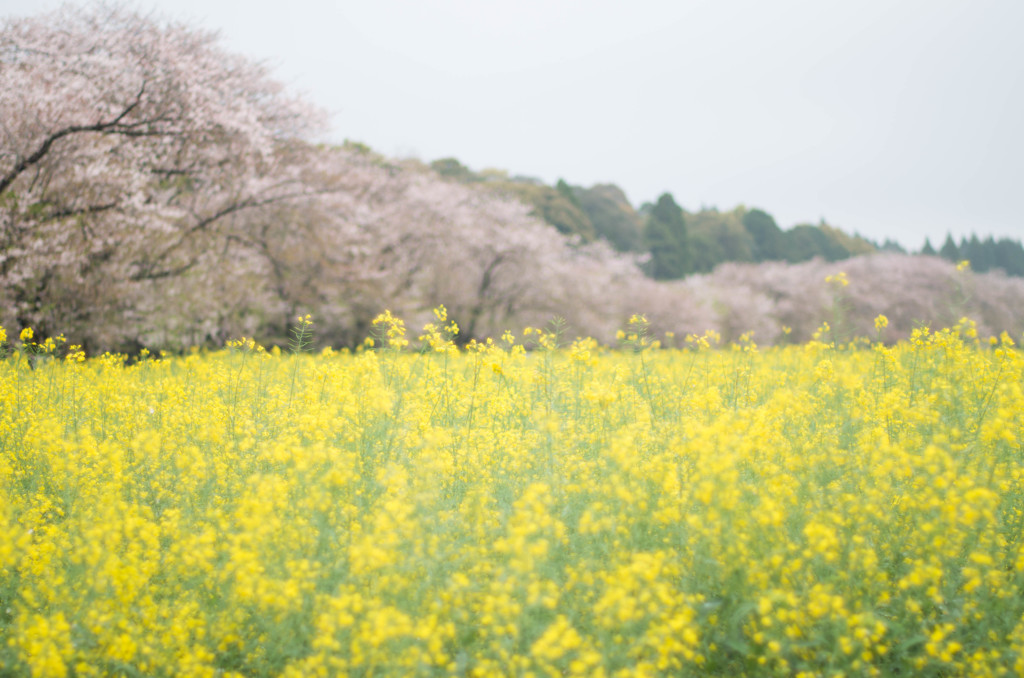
[612,215]
[157,190]
[128,148]
[985,255]
[667,240]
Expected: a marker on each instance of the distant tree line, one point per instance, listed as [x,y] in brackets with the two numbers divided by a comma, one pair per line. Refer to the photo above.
[675,243]
[985,255]
[700,241]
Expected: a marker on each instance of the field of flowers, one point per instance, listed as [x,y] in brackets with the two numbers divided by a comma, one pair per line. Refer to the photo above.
[527,506]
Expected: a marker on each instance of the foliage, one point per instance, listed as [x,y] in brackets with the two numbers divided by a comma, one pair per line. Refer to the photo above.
[740,235]
[890,245]
[716,237]
[949,250]
[612,215]
[806,241]
[667,240]
[803,510]
[451,168]
[985,255]
[554,206]
[768,237]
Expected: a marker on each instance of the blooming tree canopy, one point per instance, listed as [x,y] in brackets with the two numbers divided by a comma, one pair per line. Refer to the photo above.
[124,144]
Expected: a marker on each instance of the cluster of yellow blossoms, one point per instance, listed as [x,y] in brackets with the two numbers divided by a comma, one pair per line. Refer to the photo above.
[548,509]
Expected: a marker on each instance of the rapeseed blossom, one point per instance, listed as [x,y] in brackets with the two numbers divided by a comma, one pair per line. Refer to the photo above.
[564,510]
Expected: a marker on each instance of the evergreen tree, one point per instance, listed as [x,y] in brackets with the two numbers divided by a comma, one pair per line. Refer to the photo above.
[451,168]
[566,191]
[667,240]
[550,204]
[980,255]
[990,253]
[766,234]
[928,249]
[715,237]
[949,250]
[612,215]
[806,241]
[1009,256]
[892,246]
[973,251]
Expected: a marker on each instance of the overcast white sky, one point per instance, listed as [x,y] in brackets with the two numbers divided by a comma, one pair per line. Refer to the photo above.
[892,119]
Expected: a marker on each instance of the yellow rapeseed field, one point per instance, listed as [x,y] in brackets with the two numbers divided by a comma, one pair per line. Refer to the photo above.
[529,506]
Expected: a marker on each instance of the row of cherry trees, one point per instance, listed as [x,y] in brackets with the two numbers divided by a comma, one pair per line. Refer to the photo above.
[156,190]
[789,302]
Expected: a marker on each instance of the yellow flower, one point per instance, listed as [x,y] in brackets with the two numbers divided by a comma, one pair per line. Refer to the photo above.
[561,480]
[26,334]
[881,321]
[839,279]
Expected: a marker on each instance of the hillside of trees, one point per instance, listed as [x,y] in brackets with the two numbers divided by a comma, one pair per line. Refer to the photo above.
[680,243]
[159,191]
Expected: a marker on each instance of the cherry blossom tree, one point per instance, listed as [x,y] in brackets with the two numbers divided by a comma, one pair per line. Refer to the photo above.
[911,290]
[125,145]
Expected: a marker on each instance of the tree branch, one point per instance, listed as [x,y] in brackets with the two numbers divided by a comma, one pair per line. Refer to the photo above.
[47,143]
[147,272]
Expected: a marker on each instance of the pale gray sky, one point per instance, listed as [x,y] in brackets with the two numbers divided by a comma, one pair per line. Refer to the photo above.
[892,119]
